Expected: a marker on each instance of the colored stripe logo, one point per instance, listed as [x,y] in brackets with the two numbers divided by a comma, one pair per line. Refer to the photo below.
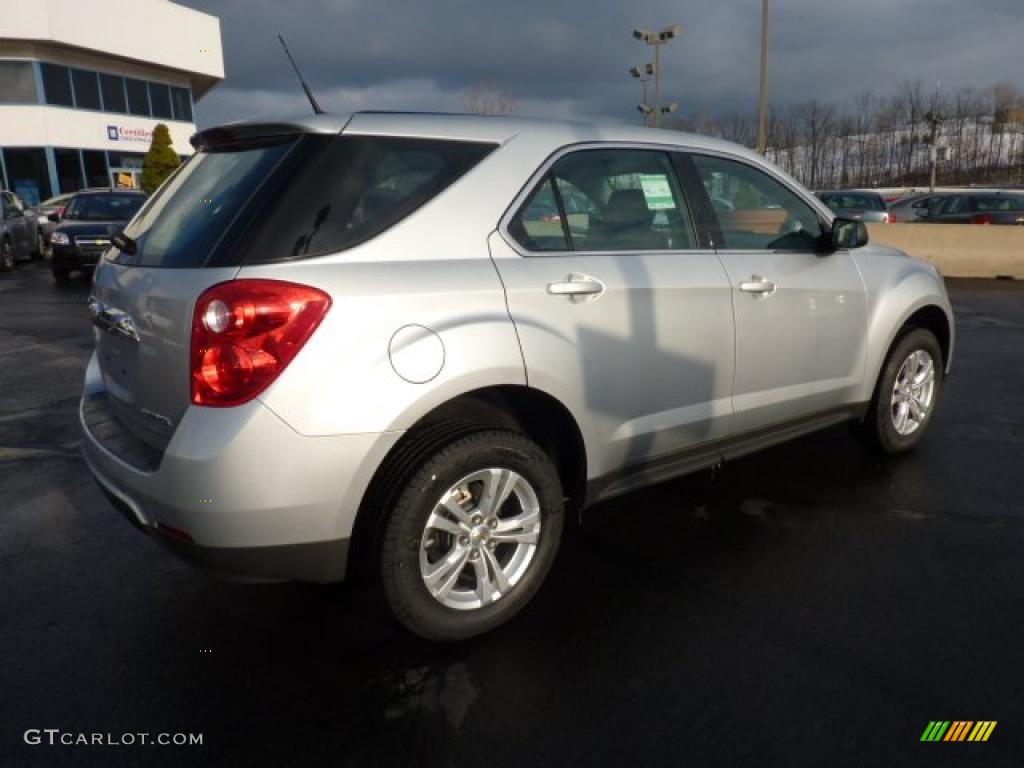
[958,730]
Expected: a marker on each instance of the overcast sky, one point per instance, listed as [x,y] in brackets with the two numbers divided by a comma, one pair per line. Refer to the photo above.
[571,57]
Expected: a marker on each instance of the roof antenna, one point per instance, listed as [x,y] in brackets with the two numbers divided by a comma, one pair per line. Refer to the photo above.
[309,93]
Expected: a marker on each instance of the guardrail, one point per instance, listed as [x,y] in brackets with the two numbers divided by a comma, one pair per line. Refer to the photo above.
[959,250]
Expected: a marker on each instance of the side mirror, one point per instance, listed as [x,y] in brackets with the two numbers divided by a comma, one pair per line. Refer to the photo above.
[55,216]
[847,233]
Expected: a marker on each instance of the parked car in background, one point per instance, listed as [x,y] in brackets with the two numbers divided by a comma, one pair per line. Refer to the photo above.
[914,207]
[53,205]
[859,205]
[978,208]
[392,345]
[89,221]
[20,234]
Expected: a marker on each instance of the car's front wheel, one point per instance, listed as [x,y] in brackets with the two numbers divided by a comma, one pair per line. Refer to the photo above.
[906,394]
[40,250]
[6,256]
[472,536]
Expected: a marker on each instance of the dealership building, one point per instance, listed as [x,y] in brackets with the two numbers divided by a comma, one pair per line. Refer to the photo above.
[83,85]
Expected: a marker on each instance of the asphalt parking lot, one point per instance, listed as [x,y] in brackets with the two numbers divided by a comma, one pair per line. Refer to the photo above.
[812,605]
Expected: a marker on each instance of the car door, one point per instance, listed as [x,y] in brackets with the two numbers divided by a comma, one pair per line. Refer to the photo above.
[800,313]
[621,314]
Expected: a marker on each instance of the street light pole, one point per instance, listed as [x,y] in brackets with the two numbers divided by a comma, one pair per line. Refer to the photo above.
[657,39]
[639,72]
[762,118]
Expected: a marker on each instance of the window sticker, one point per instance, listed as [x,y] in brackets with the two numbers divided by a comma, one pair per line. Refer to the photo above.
[657,191]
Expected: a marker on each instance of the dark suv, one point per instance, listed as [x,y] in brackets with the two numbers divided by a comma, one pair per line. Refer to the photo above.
[89,221]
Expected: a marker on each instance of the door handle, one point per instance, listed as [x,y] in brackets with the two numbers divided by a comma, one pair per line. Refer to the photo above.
[577,287]
[758,284]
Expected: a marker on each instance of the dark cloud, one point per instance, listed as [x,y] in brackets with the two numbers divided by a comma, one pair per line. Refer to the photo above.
[571,57]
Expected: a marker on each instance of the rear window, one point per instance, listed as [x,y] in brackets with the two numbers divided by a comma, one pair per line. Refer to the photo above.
[183,222]
[292,199]
[344,190]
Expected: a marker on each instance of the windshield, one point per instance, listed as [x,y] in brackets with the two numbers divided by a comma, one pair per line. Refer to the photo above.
[103,207]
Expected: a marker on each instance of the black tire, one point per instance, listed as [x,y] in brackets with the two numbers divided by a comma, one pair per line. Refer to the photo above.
[62,275]
[40,250]
[405,592]
[878,429]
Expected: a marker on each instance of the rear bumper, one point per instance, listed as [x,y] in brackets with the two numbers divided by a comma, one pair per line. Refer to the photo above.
[257,500]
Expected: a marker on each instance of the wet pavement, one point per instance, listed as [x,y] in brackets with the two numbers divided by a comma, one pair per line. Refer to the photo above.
[811,605]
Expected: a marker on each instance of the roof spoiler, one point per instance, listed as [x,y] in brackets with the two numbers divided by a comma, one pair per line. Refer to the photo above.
[236,133]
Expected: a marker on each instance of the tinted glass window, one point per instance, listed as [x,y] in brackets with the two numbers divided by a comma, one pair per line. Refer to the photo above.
[754,210]
[57,85]
[69,170]
[27,174]
[95,163]
[178,228]
[847,200]
[623,200]
[113,93]
[100,207]
[138,98]
[87,89]
[160,99]
[1001,203]
[182,103]
[348,189]
[17,83]
[538,225]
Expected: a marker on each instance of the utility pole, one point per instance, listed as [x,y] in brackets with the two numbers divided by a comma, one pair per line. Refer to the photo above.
[934,121]
[657,39]
[762,118]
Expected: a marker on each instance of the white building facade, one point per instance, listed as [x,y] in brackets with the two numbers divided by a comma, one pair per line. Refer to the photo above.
[83,83]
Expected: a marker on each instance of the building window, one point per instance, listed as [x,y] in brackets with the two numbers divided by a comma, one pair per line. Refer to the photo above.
[17,83]
[138,99]
[69,170]
[126,159]
[87,89]
[57,85]
[160,98]
[182,101]
[113,93]
[28,175]
[95,168]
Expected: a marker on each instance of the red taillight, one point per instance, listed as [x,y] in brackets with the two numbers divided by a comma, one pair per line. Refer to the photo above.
[60,212]
[982,218]
[245,332]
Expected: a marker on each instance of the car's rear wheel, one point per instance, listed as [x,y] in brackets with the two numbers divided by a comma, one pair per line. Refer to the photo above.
[6,256]
[472,536]
[62,275]
[907,393]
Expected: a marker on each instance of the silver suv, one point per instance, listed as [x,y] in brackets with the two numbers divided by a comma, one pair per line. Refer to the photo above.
[386,340]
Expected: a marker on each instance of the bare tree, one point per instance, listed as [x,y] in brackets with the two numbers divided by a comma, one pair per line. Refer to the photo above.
[486,97]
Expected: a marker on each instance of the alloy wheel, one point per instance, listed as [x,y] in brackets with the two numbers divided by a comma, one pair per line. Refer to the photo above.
[480,539]
[913,392]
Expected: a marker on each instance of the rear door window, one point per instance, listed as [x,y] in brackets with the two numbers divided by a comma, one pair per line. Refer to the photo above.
[612,200]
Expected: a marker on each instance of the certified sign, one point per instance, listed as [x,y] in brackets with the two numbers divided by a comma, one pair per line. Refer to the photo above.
[124,133]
